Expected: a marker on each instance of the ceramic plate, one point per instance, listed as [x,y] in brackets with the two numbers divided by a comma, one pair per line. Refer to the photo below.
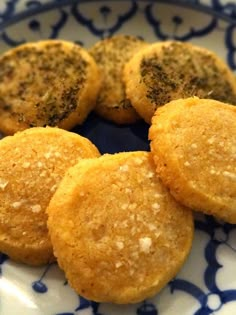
[207,282]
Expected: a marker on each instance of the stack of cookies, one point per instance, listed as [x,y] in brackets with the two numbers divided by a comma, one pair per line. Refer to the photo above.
[121,225]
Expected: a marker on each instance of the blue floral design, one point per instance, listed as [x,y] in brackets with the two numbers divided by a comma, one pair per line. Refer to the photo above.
[33,4]
[109,22]
[147,308]
[8,9]
[231,45]
[39,286]
[11,8]
[178,31]
[84,304]
[35,26]
[226,7]
[219,297]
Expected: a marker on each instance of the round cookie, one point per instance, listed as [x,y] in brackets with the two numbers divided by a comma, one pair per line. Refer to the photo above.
[170,70]
[32,163]
[119,235]
[193,142]
[51,82]
[111,54]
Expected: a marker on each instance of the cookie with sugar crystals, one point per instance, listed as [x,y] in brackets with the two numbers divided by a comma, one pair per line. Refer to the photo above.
[32,163]
[193,142]
[170,70]
[116,231]
[111,54]
[50,82]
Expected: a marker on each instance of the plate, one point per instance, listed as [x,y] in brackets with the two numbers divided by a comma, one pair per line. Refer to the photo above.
[206,284]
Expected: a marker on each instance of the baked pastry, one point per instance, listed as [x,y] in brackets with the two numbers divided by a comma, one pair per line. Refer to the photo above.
[50,82]
[170,70]
[194,147]
[32,163]
[111,54]
[115,229]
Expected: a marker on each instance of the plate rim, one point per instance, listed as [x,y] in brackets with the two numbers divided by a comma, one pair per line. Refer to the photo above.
[218,12]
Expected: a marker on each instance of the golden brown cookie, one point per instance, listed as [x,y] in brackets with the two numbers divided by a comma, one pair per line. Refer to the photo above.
[111,54]
[32,163]
[115,229]
[193,142]
[170,70]
[51,82]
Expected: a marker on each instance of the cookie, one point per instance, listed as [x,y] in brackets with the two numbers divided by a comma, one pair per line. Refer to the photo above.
[111,54]
[51,82]
[115,229]
[32,163]
[167,71]
[194,147]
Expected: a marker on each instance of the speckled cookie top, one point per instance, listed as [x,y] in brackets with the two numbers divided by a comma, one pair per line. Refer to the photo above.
[185,70]
[119,228]
[32,163]
[41,82]
[194,145]
[111,54]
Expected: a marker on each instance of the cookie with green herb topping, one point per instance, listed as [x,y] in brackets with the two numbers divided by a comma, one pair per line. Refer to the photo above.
[111,54]
[193,142]
[51,82]
[116,231]
[32,163]
[170,70]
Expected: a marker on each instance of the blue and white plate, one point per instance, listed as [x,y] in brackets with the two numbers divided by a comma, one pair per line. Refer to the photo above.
[207,282]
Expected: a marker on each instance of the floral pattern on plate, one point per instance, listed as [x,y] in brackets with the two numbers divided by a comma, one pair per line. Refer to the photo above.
[206,284]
